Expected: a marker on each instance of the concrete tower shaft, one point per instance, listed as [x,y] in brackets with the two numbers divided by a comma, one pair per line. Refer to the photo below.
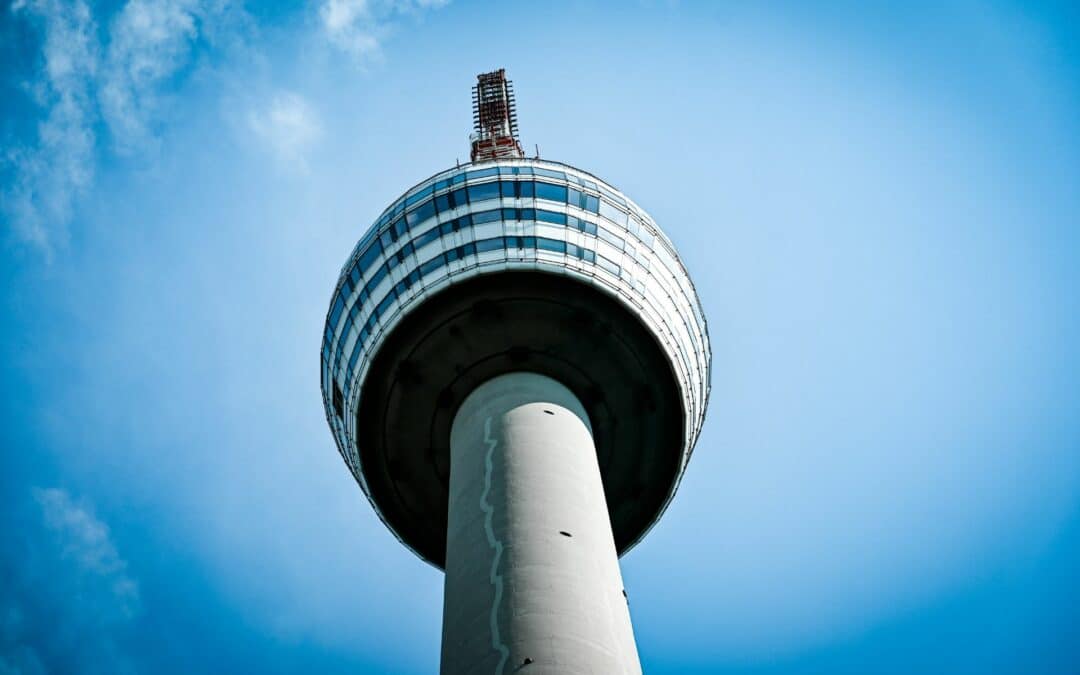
[532,577]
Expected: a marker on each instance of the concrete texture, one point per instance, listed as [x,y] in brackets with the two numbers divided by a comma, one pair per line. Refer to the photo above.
[532,577]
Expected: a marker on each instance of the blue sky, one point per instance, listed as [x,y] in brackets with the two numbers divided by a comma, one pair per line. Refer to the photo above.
[878,204]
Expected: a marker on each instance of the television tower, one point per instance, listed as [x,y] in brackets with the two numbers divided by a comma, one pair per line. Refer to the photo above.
[515,367]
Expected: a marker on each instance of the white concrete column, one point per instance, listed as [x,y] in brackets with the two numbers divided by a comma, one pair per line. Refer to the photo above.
[532,578]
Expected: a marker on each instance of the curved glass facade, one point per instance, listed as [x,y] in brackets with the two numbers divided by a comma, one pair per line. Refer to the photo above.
[509,214]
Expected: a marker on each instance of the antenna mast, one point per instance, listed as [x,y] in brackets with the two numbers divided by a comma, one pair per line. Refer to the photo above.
[495,134]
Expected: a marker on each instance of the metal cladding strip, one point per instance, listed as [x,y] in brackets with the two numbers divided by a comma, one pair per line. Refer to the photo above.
[649,279]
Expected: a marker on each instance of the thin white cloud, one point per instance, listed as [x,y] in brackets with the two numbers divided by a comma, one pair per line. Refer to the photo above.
[358,27]
[84,81]
[84,540]
[67,600]
[289,126]
[149,40]
[49,176]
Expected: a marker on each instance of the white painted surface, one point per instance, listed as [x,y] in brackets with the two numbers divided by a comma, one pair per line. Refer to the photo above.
[523,470]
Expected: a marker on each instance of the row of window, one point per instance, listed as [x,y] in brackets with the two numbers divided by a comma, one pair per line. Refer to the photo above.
[509,243]
[355,277]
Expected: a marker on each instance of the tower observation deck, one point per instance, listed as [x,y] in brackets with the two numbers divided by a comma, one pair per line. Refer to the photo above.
[515,368]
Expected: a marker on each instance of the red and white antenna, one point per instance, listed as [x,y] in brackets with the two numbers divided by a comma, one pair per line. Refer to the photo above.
[494,118]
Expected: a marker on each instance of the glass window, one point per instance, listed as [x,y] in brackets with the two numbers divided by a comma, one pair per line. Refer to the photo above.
[467,249]
[385,304]
[592,204]
[354,274]
[422,194]
[527,214]
[458,198]
[376,278]
[574,197]
[486,216]
[432,265]
[483,191]
[527,189]
[369,257]
[555,245]
[551,217]
[589,255]
[442,203]
[551,174]
[339,402]
[611,213]
[610,237]
[555,193]
[422,213]
[508,188]
[608,265]
[489,244]
[339,306]
[388,238]
[613,197]
[484,173]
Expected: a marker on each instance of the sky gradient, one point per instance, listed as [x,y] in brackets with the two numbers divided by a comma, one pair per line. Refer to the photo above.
[879,207]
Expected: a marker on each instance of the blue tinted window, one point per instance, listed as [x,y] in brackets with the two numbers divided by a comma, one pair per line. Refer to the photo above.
[507,188]
[426,238]
[574,197]
[527,214]
[591,204]
[339,305]
[442,203]
[388,238]
[376,278]
[385,304]
[589,255]
[432,265]
[551,244]
[556,193]
[484,173]
[422,213]
[458,198]
[552,174]
[528,242]
[354,274]
[467,249]
[483,191]
[527,189]
[489,244]
[369,257]
[418,196]
[551,217]
[485,216]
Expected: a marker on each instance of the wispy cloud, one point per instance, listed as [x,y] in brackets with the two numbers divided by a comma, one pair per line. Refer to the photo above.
[149,41]
[289,126]
[82,82]
[84,541]
[50,175]
[69,596]
[358,27]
